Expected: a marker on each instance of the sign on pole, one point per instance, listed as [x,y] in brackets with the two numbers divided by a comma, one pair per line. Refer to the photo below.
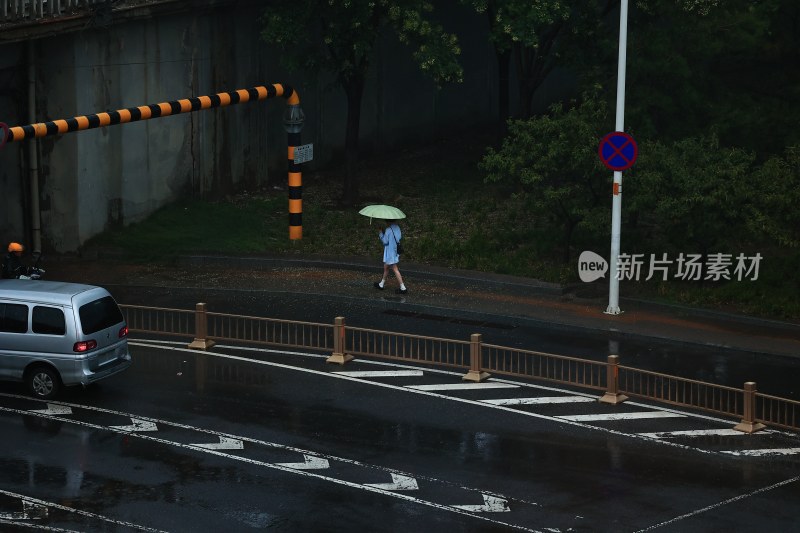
[303,153]
[618,151]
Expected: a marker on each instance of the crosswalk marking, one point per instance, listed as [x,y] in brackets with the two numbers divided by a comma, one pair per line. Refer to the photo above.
[695,433]
[380,373]
[621,416]
[764,452]
[463,386]
[540,400]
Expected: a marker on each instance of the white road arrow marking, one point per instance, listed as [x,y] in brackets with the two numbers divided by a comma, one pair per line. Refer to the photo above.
[311,463]
[225,443]
[53,409]
[138,425]
[491,504]
[398,483]
[30,511]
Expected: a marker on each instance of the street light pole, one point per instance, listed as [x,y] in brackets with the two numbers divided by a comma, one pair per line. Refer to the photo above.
[616,202]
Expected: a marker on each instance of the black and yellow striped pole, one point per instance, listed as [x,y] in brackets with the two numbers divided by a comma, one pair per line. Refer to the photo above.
[293,122]
[187,105]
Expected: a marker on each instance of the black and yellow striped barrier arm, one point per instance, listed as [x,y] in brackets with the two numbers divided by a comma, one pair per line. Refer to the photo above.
[175,107]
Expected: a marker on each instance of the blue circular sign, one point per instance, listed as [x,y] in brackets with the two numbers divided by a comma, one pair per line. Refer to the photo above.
[618,151]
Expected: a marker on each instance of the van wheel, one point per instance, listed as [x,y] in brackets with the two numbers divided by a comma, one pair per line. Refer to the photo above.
[43,382]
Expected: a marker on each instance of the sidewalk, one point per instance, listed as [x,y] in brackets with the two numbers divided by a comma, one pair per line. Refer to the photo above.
[439,288]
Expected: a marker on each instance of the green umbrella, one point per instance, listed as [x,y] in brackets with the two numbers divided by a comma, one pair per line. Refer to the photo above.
[385,212]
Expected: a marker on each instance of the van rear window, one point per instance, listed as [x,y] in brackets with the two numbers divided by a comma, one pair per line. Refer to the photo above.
[99,314]
[13,318]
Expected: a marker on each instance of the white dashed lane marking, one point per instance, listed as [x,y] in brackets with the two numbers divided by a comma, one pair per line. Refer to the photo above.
[621,416]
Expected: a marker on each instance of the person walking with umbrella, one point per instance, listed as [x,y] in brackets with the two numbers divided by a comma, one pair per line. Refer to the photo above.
[390,236]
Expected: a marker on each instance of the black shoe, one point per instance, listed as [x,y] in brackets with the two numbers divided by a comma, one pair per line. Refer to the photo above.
[377,286]
[401,291]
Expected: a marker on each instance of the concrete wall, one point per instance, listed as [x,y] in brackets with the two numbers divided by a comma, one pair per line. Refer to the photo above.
[117,175]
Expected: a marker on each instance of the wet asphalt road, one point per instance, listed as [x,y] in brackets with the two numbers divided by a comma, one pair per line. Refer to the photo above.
[144,451]
[247,440]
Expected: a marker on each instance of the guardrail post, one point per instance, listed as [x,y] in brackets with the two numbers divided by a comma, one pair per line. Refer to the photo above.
[475,373]
[339,356]
[612,394]
[748,423]
[200,341]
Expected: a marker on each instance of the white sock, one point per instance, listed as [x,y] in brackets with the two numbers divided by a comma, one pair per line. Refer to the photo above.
[381,283]
[402,286]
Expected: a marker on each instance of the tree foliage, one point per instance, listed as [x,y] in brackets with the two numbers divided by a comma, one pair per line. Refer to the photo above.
[688,196]
[340,36]
[552,161]
[775,196]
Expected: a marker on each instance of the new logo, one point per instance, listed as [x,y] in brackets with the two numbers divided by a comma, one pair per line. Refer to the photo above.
[591,266]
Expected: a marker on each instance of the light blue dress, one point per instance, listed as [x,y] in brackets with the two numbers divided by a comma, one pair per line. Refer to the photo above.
[390,256]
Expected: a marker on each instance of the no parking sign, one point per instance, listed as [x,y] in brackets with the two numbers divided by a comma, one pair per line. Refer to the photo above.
[618,151]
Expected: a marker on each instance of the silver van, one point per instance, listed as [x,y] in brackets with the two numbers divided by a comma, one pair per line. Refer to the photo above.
[55,334]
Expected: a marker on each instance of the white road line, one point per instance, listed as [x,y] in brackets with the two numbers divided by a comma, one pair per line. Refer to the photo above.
[463,386]
[380,373]
[540,400]
[763,453]
[621,416]
[720,504]
[694,433]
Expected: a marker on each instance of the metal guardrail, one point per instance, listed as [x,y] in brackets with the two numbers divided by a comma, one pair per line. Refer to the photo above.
[274,332]
[29,10]
[774,411]
[410,348]
[545,366]
[756,410]
[175,322]
[681,391]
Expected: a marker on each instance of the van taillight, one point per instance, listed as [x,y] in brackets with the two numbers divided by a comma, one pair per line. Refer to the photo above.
[123,332]
[84,346]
